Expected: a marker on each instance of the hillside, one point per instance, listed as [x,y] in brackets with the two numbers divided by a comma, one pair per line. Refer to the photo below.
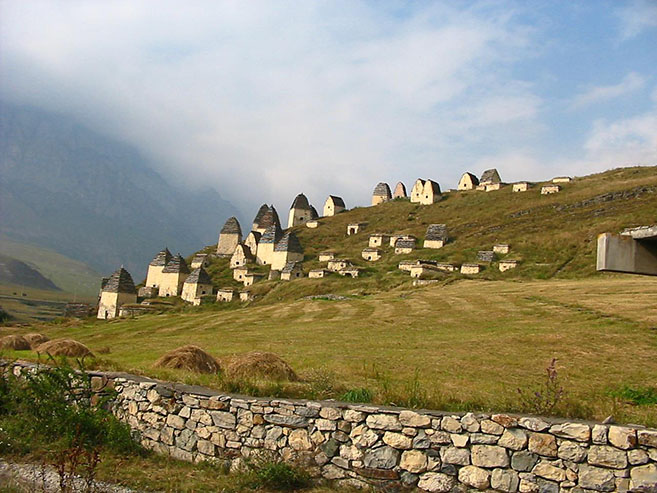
[553,236]
[69,189]
[14,271]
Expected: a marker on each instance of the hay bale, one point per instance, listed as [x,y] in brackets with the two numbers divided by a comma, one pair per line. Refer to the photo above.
[190,358]
[260,365]
[15,342]
[64,347]
[35,339]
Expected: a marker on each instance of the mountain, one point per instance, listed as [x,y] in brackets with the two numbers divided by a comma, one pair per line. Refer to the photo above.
[14,271]
[69,189]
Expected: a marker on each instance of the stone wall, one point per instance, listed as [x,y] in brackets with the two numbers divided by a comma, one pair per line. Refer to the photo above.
[360,444]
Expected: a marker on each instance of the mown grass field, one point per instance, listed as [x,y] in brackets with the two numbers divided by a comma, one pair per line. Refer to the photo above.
[464,345]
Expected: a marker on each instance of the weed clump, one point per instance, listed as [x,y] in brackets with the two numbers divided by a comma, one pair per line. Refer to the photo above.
[190,358]
[545,397]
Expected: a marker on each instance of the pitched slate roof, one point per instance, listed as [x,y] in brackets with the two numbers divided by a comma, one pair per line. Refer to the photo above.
[436,232]
[162,258]
[176,265]
[198,276]
[485,255]
[490,176]
[405,243]
[473,178]
[313,213]
[300,202]
[232,226]
[433,185]
[246,252]
[289,243]
[382,190]
[400,190]
[261,212]
[272,234]
[291,266]
[337,201]
[269,217]
[120,282]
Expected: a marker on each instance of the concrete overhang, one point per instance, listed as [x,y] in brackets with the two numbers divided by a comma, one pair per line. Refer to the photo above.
[634,251]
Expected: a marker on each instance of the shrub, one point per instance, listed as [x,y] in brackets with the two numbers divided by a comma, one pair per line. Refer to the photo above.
[544,398]
[357,395]
[270,472]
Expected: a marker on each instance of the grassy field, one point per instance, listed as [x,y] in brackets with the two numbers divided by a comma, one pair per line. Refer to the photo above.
[464,345]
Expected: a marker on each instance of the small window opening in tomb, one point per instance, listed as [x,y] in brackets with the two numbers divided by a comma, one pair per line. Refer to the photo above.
[301,219]
[202,292]
[369,257]
[154,285]
[167,295]
[297,274]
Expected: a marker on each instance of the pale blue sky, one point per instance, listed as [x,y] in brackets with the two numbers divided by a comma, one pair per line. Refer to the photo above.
[282,97]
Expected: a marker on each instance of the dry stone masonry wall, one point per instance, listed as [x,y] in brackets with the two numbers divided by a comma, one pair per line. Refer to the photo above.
[365,444]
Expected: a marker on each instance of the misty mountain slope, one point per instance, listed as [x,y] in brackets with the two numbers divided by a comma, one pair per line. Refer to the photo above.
[69,189]
[14,271]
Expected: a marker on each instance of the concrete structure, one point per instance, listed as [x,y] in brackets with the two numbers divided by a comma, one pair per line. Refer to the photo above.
[333,205]
[490,176]
[300,211]
[470,268]
[447,267]
[338,264]
[288,249]
[173,277]
[251,242]
[416,191]
[501,249]
[430,193]
[318,273]
[266,217]
[381,194]
[200,260]
[521,186]
[225,295]
[549,189]
[312,224]
[197,284]
[467,182]
[246,296]
[326,256]
[634,251]
[241,256]
[491,187]
[378,240]
[239,273]
[229,237]
[354,228]
[267,243]
[371,254]
[400,191]
[117,290]
[562,179]
[155,268]
[436,236]
[404,246]
[350,271]
[251,278]
[407,265]
[291,271]
[505,265]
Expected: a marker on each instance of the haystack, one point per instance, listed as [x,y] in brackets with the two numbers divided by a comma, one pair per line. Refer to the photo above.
[16,342]
[190,358]
[260,365]
[64,347]
[35,339]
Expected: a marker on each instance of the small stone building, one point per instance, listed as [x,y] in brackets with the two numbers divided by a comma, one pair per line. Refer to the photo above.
[265,218]
[521,186]
[490,176]
[501,248]
[470,268]
[407,265]
[155,268]
[350,271]
[491,187]
[505,265]
[147,292]
[200,260]
[421,270]
[252,278]
[241,256]
[436,236]
[229,238]
[381,194]
[173,277]
[562,179]
[467,182]
[225,295]
[333,206]
[326,256]
[197,284]
[447,267]
[549,189]
[404,246]
[312,224]
[485,255]
[378,239]
[246,296]
[416,191]
[318,273]
[430,193]
[251,242]
[338,264]
[291,271]
[288,249]
[400,191]
[354,228]
[268,240]
[118,289]
[372,254]
[239,273]
[300,211]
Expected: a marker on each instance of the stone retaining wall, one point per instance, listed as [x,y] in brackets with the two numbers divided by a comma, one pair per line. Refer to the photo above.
[360,444]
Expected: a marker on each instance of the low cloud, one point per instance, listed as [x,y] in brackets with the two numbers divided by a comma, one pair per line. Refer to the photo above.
[631,82]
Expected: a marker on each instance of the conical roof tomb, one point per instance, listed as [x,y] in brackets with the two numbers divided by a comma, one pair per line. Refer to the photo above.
[117,290]
[490,176]
[176,265]
[162,258]
[400,191]
[268,217]
[381,193]
[229,238]
[300,211]
[156,266]
[120,282]
[333,206]
[198,276]
[467,182]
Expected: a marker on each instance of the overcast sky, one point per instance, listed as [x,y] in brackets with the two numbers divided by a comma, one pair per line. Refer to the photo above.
[266,99]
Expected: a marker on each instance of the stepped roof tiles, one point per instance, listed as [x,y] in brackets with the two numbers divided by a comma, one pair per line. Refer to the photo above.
[300,202]
[231,226]
[176,265]
[382,190]
[162,258]
[120,282]
[272,234]
[289,243]
[436,232]
[198,276]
